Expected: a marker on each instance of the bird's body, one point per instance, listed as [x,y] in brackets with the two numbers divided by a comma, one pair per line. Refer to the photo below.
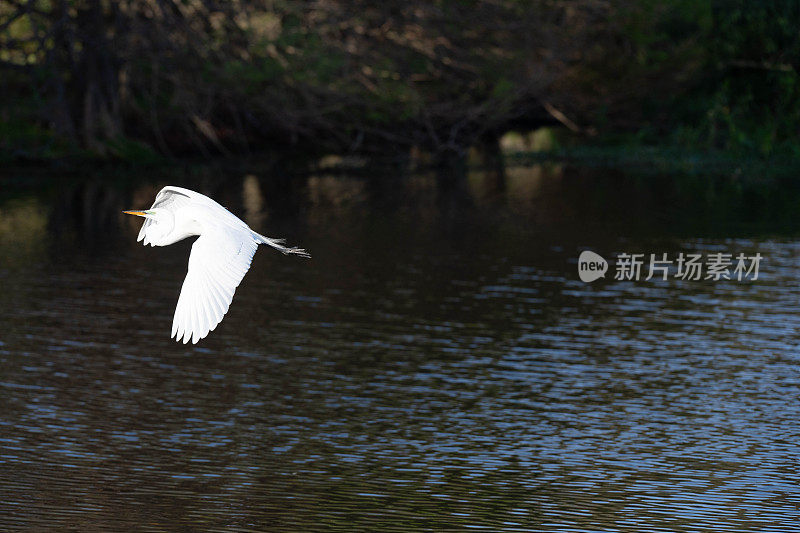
[219,259]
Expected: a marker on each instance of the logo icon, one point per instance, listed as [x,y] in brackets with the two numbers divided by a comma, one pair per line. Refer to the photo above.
[591,266]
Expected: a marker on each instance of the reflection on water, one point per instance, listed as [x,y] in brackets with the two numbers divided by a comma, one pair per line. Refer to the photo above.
[437,365]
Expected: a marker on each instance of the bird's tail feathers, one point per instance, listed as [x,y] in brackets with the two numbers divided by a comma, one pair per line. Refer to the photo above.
[278,245]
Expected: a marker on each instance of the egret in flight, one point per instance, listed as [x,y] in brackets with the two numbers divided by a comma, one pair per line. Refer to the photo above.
[219,259]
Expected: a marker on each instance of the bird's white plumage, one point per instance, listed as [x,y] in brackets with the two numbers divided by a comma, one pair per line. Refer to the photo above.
[171,198]
[219,260]
[220,257]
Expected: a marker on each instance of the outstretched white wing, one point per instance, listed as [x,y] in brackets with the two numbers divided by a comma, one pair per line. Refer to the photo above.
[219,260]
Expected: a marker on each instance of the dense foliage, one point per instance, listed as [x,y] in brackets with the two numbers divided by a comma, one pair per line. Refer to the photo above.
[131,77]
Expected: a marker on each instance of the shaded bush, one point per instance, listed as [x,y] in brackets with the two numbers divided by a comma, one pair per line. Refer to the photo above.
[227,76]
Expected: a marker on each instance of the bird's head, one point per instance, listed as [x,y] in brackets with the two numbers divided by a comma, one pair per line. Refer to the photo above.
[158,224]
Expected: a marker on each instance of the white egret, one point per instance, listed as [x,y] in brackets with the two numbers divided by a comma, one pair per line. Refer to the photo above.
[219,259]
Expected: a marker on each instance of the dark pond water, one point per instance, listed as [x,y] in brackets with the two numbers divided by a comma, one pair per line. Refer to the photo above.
[438,365]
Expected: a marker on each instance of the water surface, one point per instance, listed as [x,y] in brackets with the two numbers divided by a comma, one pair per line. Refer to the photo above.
[437,365]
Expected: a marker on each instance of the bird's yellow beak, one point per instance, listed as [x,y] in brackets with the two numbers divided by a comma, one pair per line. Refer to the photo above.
[140,213]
